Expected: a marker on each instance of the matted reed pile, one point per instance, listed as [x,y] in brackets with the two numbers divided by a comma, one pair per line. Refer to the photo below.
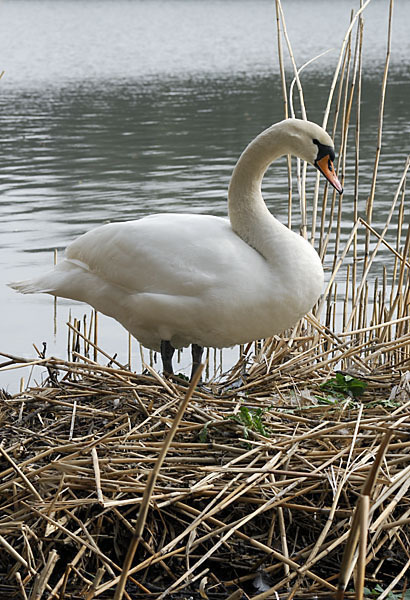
[262,505]
[272,485]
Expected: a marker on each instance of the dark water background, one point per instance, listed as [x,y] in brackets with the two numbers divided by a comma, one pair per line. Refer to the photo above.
[113,109]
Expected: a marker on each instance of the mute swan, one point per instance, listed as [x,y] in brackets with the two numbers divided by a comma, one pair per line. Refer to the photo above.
[179,279]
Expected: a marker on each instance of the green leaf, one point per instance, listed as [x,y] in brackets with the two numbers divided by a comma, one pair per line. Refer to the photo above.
[182,376]
[203,434]
[347,385]
[251,419]
[375,592]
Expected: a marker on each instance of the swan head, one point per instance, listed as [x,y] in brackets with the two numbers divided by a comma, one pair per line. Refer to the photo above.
[313,144]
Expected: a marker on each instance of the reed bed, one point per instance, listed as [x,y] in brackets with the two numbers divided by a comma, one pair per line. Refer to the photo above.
[276,480]
[257,489]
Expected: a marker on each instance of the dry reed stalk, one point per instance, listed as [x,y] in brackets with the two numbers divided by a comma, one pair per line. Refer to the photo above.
[70,436]
[21,586]
[380,239]
[16,555]
[370,200]
[346,102]
[301,181]
[97,473]
[95,584]
[285,106]
[42,579]
[337,70]
[343,84]
[361,563]
[143,511]
[301,186]
[402,257]
[322,242]
[95,343]
[21,474]
[78,333]
[357,526]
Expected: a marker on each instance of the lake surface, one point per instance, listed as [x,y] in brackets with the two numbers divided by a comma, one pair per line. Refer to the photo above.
[114,109]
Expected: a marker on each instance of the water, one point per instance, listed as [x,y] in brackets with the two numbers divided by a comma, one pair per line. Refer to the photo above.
[113,109]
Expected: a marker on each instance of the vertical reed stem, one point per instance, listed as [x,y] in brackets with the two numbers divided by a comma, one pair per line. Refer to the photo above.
[285,108]
[370,200]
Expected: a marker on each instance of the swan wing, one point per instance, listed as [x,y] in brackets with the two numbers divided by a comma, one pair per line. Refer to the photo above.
[173,254]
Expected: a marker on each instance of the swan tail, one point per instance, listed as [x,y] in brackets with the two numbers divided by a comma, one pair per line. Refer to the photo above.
[32,286]
[66,279]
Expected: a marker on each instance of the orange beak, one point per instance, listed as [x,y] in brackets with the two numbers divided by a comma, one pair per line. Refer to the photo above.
[326,167]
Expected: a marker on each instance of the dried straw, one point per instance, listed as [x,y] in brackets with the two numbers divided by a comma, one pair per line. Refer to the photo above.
[76,491]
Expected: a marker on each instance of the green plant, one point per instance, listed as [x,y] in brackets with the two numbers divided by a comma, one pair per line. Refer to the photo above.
[377,590]
[345,385]
[335,399]
[203,434]
[182,376]
[250,419]
[384,402]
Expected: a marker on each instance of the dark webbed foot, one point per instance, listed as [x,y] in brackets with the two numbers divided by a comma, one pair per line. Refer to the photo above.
[167,352]
[197,352]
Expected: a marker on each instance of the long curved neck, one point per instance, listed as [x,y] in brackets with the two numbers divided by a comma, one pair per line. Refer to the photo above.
[248,213]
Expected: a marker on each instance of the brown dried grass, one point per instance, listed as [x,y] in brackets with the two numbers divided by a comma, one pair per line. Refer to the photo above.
[228,502]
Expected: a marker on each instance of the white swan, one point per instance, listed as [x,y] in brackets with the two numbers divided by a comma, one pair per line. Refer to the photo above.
[179,279]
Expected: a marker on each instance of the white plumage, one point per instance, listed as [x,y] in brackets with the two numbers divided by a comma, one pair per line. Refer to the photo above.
[201,279]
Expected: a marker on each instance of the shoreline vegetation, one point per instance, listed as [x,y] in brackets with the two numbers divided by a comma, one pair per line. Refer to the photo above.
[287,477]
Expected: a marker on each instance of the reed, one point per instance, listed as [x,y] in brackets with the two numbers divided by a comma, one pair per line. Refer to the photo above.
[81,451]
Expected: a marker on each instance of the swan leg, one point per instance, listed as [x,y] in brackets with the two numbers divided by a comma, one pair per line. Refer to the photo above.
[196,352]
[167,352]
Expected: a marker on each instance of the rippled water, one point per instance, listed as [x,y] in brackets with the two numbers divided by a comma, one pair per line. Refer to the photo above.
[113,109]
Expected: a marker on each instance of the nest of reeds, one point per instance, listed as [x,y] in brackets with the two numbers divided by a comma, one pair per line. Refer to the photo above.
[255,493]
